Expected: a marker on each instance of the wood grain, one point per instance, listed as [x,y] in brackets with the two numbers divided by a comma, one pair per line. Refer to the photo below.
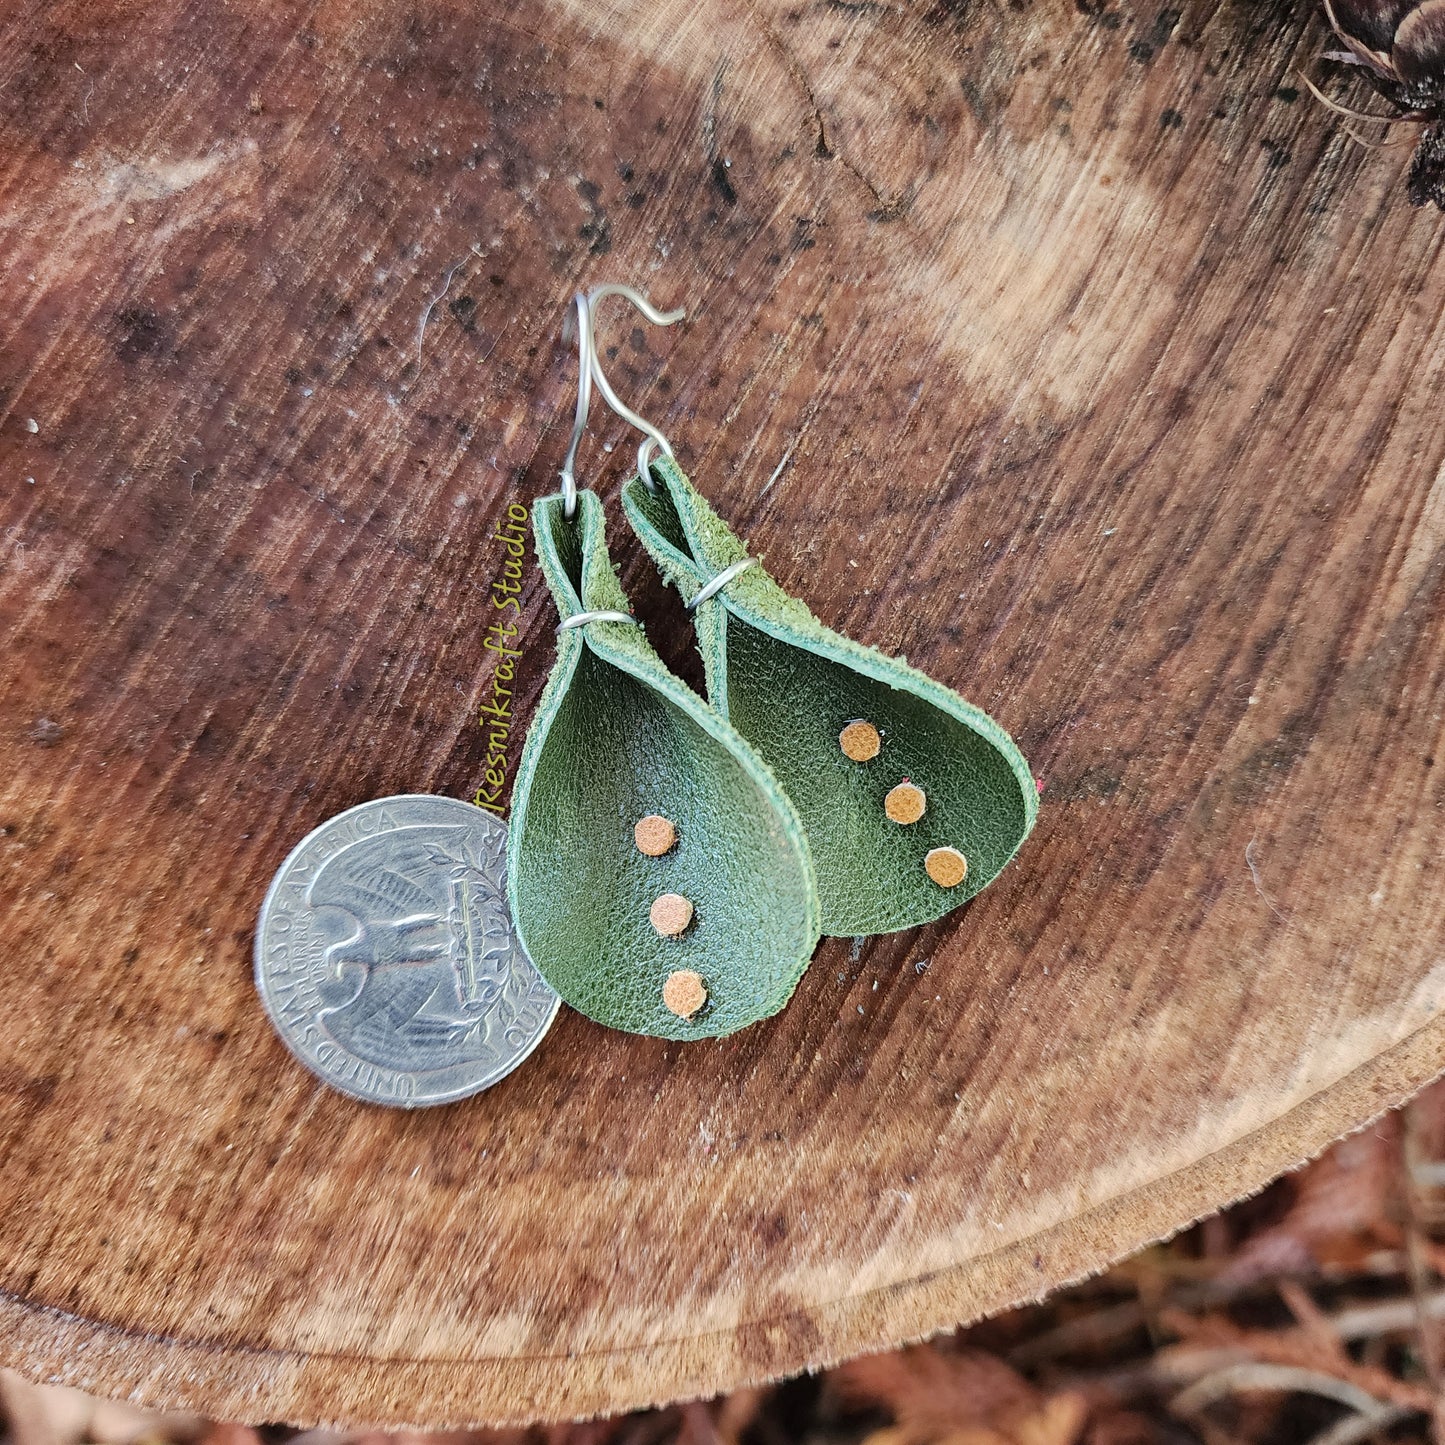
[1109,369]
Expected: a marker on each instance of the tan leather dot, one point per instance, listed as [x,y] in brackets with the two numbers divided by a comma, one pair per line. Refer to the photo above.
[684,992]
[671,915]
[905,803]
[654,835]
[946,866]
[860,741]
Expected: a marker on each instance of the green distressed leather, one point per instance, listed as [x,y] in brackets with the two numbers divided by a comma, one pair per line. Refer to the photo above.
[789,685]
[617,737]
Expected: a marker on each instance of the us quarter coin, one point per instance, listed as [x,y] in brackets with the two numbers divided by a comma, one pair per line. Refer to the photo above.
[386,958]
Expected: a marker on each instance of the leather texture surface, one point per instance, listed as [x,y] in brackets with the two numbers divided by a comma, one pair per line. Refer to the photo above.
[789,684]
[616,737]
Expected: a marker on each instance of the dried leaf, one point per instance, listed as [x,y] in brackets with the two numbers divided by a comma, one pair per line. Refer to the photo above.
[1345,1207]
[58,1415]
[959,1398]
[737,1412]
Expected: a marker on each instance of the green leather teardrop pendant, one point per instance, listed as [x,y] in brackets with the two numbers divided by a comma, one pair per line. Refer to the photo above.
[618,739]
[791,686]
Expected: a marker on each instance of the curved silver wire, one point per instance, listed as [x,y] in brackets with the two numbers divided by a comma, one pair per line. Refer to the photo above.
[580,619]
[658,318]
[586,353]
[721,580]
[709,589]
[644,462]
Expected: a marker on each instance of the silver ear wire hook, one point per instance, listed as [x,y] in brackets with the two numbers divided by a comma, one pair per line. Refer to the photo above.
[586,355]
[581,619]
[586,360]
[644,462]
[658,318]
[709,589]
[721,580]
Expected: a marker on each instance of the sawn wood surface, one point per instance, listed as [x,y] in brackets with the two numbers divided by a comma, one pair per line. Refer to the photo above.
[1108,370]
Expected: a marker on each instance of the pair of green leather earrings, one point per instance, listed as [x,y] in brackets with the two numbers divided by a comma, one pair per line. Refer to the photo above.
[673,860]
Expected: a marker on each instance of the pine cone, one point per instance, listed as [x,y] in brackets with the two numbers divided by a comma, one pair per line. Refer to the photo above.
[1401,44]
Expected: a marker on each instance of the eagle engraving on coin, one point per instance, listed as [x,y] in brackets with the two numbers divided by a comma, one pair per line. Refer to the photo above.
[431,950]
[386,957]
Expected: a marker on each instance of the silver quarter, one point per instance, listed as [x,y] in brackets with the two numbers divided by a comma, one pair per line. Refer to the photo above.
[386,957]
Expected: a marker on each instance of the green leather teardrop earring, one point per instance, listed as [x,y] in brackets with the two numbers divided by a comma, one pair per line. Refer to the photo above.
[660,878]
[912,799]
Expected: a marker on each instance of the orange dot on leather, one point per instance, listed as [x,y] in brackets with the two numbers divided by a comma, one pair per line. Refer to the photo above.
[684,992]
[905,803]
[654,835]
[946,866]
[671,914]
[860,740]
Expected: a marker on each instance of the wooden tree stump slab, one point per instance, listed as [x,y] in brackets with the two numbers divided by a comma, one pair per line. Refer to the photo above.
[1109,374]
